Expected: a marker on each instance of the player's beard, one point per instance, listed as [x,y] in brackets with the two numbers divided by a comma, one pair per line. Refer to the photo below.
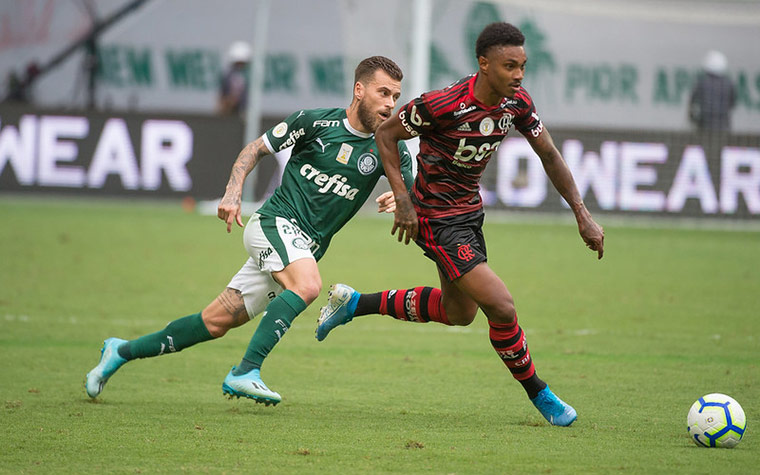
[368,118]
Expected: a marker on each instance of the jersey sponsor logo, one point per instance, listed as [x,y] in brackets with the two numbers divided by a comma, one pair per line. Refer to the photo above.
[411,310]
[537,131]
[280,130]
[486,126]
[367,163]
[326,183]
[405,124]
[344,154]
[292,138]
[415,118]
[263,256]
[465,152]
[465,127]
[539,128]
[321,144]
[506,122]
[464,111]
[326,123]
[507,102]
[464,252]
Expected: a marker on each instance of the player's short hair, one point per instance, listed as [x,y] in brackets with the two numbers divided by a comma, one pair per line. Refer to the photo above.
[368,66]
[498,34]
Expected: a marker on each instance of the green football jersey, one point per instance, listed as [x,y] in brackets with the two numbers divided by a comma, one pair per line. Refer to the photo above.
[332,170]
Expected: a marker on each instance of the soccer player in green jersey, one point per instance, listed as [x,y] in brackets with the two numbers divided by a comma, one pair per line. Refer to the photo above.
[334,166]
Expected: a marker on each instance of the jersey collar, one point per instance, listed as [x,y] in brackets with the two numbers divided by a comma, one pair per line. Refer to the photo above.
[358,133]
[474,100]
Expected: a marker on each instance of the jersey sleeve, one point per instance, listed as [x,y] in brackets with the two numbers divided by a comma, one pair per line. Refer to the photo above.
[406,165]
[527,121]
[416,116]
[290,132]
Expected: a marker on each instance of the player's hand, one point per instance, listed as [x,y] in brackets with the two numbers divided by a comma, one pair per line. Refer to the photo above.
[229,211]
[405,220]
[593,235]
[386,203]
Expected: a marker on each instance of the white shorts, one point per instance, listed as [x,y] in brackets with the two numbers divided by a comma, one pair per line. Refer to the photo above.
[272,244]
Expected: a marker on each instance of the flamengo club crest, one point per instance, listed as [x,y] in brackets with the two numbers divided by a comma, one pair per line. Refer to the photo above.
[505,122]
[464,252]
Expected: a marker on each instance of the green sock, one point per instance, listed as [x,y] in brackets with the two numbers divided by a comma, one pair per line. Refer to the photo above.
[275,321]
[177,336]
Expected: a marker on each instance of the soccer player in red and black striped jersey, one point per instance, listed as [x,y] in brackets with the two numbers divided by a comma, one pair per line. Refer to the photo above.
[460,127]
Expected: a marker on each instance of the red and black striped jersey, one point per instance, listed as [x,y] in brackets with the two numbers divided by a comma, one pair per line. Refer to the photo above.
[458,134]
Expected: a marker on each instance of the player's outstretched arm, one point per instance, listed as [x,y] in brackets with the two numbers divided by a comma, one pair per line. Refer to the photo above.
[387,137]
[230,204]
[559,173]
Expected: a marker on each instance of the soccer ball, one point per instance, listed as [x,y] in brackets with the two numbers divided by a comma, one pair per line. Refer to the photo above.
[716,420]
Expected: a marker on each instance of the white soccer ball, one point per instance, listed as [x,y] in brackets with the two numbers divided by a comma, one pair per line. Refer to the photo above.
[716,420]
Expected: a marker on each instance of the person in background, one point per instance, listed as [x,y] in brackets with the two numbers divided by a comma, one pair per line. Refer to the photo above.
[714,96]
[233,85]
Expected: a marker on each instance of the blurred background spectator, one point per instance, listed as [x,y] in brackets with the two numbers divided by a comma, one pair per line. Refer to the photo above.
[233,85]
[168,83]
[713,96]
[20,87]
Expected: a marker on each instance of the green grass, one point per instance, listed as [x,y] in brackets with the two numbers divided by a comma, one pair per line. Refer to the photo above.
[631,341]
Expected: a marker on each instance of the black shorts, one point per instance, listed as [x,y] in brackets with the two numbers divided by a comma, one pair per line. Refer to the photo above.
[455,243]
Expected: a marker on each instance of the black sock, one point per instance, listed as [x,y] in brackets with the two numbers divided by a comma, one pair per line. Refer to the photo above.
[533,386]
[368,304]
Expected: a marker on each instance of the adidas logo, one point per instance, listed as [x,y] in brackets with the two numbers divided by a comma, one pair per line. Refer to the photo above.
[465,127]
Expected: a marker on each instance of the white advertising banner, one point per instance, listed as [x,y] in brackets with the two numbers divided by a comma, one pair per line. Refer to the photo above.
[592,64]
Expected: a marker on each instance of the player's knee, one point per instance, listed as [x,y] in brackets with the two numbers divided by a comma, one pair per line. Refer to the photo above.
[503,312]
[217,326]
[216,331]
[308,291]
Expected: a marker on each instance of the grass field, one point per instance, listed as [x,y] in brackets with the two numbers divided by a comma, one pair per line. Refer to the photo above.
[631,341]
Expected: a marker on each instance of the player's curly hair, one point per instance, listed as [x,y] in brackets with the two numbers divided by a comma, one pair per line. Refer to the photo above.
[368,66]
[498,34]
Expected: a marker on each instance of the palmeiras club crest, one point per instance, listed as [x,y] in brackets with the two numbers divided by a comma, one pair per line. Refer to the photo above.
[367,163]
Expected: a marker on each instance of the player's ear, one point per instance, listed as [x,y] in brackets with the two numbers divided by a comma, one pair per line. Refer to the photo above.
[483,63]
[358,90]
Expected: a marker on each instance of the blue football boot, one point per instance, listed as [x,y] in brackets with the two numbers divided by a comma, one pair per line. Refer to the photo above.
[556,411]
[251,386]
[110,361]
[340,308]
